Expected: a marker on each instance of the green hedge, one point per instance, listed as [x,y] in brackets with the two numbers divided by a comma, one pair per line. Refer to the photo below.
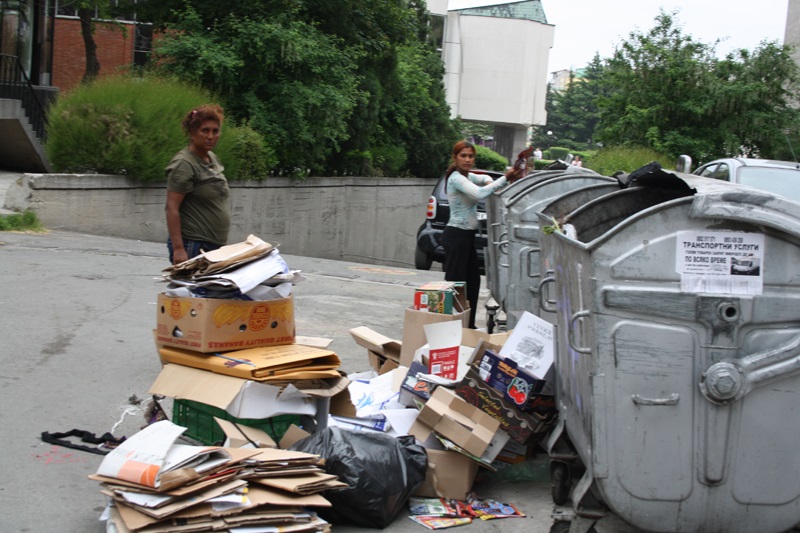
[626,159]
[131,126]
[488,159]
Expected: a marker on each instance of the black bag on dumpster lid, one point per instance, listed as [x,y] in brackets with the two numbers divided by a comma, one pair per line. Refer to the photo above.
[381,472]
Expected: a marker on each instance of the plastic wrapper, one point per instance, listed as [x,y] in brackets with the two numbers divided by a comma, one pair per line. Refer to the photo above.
[381,472]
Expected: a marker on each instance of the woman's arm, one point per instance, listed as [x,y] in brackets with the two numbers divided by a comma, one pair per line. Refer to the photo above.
[457,182]
[174,201]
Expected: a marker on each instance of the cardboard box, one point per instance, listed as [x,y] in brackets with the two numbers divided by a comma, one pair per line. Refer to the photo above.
[450,416]
[503,375]
[444,348]
[450,475]
[383,352]
[414,332]
[520,425]
[269,363]
[241,398]
[444,297]
[218,325]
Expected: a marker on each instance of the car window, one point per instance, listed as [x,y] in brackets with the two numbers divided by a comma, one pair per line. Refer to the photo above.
[782,181]
[708,171]
[723,172]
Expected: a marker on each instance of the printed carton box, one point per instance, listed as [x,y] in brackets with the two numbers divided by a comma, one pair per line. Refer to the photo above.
[217,325]
[540,410]
[443,297]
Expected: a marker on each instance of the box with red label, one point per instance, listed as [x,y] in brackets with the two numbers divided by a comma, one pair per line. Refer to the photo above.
[504,376]
[522,425]
[443,297]
[219,325]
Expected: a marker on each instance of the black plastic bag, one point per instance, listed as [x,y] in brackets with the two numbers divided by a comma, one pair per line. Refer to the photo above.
[382,473]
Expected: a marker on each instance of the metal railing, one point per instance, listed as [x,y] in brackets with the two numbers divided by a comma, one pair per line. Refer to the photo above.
[15,85]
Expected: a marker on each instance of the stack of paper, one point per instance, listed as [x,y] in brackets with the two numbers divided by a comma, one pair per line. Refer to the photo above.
[154,484]
[253,269]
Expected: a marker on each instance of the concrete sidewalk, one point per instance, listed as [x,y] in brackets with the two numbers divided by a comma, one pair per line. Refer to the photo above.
[78,352]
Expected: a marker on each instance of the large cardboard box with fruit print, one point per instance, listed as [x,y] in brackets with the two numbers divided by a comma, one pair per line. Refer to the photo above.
[522,410]
[217,325]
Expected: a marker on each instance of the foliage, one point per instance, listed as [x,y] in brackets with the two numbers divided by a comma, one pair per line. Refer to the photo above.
[573,114]
[327,82]
[627,159]
[245,154]
[488,159]
[664,90]
[131,126]
[558,152]
[27,221]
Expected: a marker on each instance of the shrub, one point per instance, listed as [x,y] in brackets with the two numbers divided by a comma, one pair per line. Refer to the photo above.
[488,159]
[131,126]
[245,155]
[27,221]
[558,152]
[626,159]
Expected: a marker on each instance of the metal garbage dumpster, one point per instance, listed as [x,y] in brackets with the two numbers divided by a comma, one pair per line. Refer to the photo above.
[496,253]
[523,253]
[678,356]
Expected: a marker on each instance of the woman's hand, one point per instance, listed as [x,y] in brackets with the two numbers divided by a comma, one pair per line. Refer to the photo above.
[514,174]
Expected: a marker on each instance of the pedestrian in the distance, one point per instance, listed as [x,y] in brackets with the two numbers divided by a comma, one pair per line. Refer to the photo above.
[464,191]
[198,210]
[577,161]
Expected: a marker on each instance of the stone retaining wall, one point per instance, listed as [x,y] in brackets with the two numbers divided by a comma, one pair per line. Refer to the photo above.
[367,220]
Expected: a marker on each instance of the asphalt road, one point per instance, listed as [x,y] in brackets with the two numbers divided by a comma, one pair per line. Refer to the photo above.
[78,353]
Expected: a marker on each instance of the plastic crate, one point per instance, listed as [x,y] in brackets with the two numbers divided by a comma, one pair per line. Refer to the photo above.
[198,418]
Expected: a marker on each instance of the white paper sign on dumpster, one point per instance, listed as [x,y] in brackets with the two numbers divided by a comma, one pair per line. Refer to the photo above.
[729,262]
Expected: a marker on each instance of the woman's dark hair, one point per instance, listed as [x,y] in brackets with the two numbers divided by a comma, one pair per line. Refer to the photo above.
[460,145]
[195,118]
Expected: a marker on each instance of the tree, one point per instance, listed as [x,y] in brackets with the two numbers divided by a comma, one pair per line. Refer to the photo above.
[321,79]
[665,91]
[656,91]
[754,101]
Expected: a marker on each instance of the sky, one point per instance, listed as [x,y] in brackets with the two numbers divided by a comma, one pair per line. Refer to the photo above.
[584,27]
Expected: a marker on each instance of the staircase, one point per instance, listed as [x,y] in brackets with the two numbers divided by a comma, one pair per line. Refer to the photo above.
[22,120]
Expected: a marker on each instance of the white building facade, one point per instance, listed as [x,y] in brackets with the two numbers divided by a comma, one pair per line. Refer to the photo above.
[496,65]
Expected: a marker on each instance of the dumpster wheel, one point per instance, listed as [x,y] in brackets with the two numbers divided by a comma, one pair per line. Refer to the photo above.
[562,526]
[560,482]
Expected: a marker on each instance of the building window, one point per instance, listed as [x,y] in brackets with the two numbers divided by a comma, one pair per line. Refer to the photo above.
[436,34]
[67,8]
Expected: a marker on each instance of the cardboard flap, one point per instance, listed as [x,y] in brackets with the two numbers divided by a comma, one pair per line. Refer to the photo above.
[376,342]
[186,383]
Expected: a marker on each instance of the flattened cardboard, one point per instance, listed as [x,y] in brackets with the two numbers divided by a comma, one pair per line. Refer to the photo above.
[452,417]
[241,398]
[218,325]
[450,475]
[291,361]
[414,334]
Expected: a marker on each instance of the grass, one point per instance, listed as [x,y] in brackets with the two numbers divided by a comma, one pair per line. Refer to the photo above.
[27,221]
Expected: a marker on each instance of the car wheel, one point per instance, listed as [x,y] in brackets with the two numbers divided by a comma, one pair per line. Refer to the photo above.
[422,261]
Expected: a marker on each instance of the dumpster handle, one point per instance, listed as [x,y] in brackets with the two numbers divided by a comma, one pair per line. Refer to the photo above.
[502,250]
[544,302]
[491,232]
[575,318]
[672,400]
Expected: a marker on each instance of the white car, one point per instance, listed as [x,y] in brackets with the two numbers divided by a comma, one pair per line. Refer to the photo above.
[779,177]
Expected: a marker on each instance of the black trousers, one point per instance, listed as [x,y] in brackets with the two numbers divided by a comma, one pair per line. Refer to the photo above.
[461,264]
